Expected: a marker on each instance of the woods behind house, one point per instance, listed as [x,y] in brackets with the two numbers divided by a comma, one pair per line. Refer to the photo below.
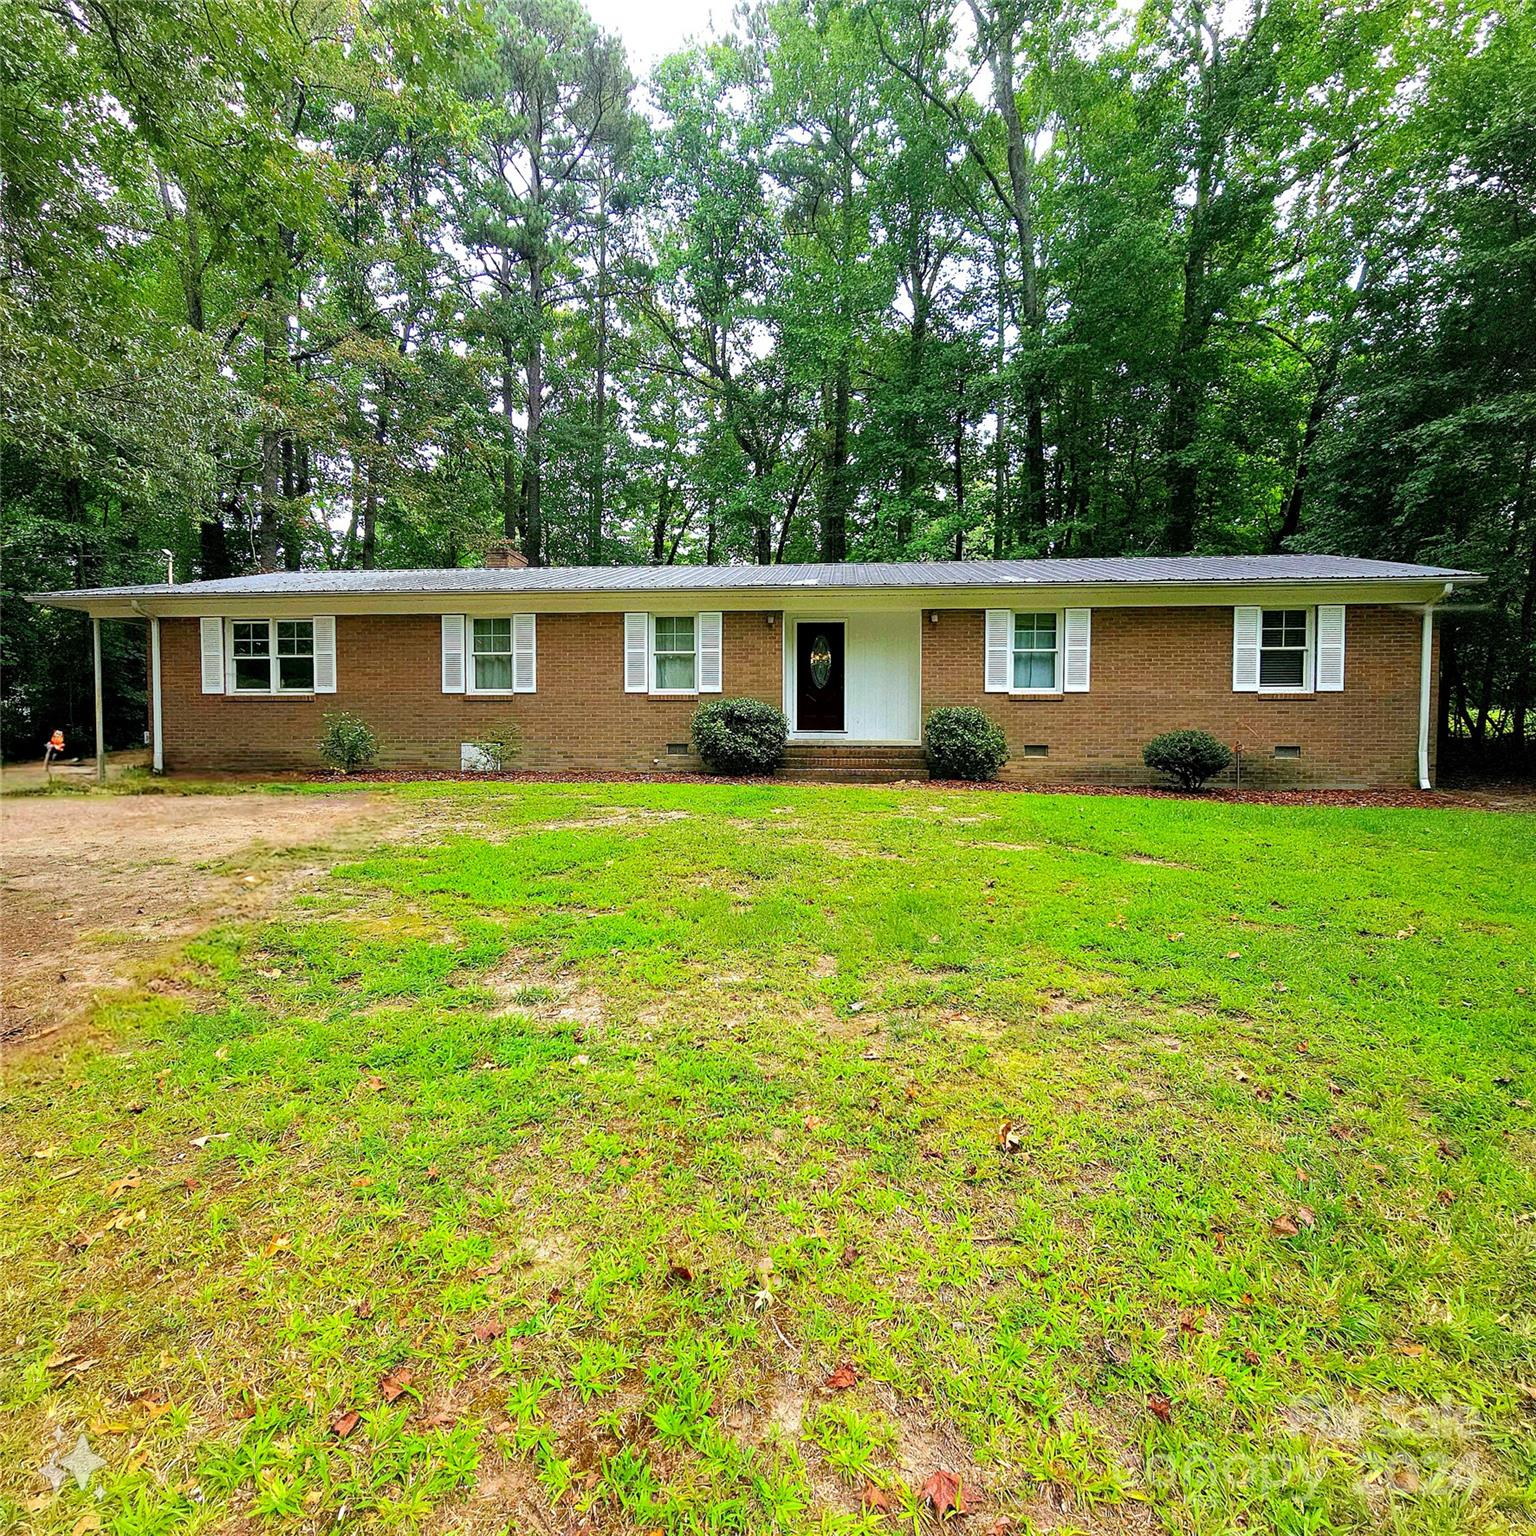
[329,285]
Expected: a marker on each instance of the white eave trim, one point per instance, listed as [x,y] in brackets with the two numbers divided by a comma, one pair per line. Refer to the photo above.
[191,602]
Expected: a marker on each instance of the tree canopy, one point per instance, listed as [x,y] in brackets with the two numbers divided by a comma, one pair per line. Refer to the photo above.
[330,285]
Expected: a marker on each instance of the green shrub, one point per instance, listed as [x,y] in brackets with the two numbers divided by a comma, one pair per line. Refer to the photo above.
[1187,757]
[348,743]
[964,744]
[739,735]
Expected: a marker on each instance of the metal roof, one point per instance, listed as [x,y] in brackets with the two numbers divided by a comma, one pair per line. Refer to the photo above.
[1157,571]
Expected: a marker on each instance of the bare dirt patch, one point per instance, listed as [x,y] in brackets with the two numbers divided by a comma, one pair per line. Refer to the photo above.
[96,887]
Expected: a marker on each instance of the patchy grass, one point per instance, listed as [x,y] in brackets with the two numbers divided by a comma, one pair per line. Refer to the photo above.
[538,1173]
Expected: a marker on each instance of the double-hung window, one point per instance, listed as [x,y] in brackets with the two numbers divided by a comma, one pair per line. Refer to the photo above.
[1038,651]
[674,653]
[272,655]
[497,654]
[1288,650]
[1036,641]
[1285,663]
[491,655]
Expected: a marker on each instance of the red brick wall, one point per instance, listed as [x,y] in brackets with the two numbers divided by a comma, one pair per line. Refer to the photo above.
[1154,669]
[388,671]
[1160,669]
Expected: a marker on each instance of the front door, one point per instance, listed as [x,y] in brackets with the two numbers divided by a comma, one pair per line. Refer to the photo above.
[818,675]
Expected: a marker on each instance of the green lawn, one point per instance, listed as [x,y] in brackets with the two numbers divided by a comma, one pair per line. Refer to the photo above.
[574,1143]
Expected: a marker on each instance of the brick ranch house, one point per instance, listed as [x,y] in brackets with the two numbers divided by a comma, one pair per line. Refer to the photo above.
[1317,670]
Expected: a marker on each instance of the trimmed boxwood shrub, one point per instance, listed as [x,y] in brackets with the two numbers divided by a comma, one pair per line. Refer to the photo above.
[964,744]
[348,743]
[1189,758]
[739,735]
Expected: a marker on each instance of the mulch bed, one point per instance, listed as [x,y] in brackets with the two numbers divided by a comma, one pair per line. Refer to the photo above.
[1500,797]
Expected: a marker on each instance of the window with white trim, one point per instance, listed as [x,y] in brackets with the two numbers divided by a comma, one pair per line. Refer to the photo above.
[272,655]
[674,653]
[1285,650]
[1036,652]
[490,655]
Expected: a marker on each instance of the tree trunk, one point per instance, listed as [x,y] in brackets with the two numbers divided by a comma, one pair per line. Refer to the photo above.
[533,472]
[1021,191]
[1525,637]
[600,391]
[509,482]
[273,341]
[959,471]
[834,522]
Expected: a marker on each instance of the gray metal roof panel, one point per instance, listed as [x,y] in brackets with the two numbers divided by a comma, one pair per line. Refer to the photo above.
[1156,570]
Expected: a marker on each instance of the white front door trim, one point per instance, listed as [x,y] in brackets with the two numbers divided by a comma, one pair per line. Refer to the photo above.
[882,675]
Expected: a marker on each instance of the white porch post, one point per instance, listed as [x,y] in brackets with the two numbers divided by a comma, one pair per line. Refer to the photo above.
[156,738]
[101,745]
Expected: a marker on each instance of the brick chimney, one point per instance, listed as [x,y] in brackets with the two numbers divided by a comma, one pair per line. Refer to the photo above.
[504,555]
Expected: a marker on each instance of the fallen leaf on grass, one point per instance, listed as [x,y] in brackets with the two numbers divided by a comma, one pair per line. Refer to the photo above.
[1305,1217]
[117,1186]
[1410,1347]
[1008,1139]
[945,1492]
[1159,1407]
[874,1497]
[1283,1226]
[679,1274]
[1406,1480]
[1445,1198]
[392,1385]
[848,1257]
[486,1333]
[344,1423]
[841,1379]
[373,1084]
[275,1245]
[443,1418]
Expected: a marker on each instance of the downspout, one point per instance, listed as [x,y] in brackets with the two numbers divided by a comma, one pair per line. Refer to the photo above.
[1426,679]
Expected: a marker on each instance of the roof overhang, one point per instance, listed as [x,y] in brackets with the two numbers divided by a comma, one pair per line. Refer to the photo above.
[195,602]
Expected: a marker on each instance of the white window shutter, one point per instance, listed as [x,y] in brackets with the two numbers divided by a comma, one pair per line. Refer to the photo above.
[1330,648]
[999,674]
[1078,623]
[1245,649]
[711,665]
[637,659]
[213,654]
[453,653]
[325,653]
[524,658]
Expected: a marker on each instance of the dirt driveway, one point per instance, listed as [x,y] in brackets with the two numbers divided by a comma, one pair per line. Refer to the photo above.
[91,887]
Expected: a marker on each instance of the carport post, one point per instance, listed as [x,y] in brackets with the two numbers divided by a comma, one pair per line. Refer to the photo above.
[101,746]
